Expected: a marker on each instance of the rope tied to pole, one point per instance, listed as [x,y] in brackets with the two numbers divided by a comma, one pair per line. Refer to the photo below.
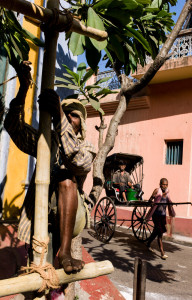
[54,23]
[46,271]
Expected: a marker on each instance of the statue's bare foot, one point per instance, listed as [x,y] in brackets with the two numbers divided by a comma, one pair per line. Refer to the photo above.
[70,264]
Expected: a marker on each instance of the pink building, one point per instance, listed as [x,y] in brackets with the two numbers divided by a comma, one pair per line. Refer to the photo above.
[158,126]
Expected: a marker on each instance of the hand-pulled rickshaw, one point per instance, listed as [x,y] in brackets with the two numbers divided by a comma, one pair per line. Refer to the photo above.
[105,215]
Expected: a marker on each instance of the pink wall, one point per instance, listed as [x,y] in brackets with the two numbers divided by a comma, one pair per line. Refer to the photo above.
[144,131]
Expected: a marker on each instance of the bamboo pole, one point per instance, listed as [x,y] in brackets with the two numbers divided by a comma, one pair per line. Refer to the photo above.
[45,15]
[33,282]
[42,178]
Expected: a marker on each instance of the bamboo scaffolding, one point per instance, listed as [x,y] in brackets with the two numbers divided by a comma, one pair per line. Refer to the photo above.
[45,15]
[33,282]
[42,178]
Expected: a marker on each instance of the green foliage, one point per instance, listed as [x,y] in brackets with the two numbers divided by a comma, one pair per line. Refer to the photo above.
[14,38]
[85,93]
[135,29]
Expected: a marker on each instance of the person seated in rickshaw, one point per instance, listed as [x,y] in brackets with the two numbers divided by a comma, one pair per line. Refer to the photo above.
[122,180]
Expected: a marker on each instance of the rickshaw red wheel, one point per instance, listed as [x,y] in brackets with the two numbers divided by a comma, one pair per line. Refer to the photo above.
[105,218]
[141,228]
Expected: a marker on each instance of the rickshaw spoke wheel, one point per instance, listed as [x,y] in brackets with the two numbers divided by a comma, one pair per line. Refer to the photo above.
[142,229]
[105,218]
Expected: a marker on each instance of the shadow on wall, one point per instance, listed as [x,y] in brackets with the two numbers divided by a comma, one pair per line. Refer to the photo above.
[166,100]
[63,58]
[10,211]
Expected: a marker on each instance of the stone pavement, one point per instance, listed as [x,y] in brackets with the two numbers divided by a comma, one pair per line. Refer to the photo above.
[166,279]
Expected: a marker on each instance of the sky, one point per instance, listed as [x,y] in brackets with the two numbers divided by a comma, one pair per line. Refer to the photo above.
[177,9]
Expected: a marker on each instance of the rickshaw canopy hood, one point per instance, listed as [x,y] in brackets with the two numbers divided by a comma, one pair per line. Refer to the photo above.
[132,162]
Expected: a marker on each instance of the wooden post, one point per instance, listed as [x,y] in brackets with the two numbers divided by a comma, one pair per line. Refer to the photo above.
[33,282]
[45,14]
[42,178]
[139,282]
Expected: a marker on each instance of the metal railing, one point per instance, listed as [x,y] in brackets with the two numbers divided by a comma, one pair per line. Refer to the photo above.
[112,84]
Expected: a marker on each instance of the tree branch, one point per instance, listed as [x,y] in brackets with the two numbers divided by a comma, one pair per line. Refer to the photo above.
[45,15]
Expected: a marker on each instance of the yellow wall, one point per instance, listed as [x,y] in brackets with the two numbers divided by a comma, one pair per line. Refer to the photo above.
[17,164]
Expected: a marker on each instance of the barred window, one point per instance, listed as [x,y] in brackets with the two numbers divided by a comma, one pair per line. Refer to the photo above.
[174,152]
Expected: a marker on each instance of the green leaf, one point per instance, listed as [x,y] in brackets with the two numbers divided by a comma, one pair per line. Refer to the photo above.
[88,75]
[68,86]
[72,87]
[94,102]
[156,3]
[131,4]
[16,47]
[109,55]
[150,9]
[7,49]
[93,86]
[81,70]
[144,1]
[119,16]
[102,4]
[148,17]
[93,56]
[12,20]
[162,14]
[102,80]
[16,59]
[22,45]
[101,111]
[73,74]
[68,75]
[117,47]
[109,4]
[63,80]
[104,92]
[93,20]
[84,102]
[76,44]
[139,37]
[130,49]
[133,63]
[154,40]
[33,38]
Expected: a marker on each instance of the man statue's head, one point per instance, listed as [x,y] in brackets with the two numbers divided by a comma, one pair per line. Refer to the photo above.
[76,115]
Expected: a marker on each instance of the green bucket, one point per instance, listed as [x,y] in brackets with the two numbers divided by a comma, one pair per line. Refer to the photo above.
[131,195]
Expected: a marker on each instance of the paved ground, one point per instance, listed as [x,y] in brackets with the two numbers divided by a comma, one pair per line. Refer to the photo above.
[170,279]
